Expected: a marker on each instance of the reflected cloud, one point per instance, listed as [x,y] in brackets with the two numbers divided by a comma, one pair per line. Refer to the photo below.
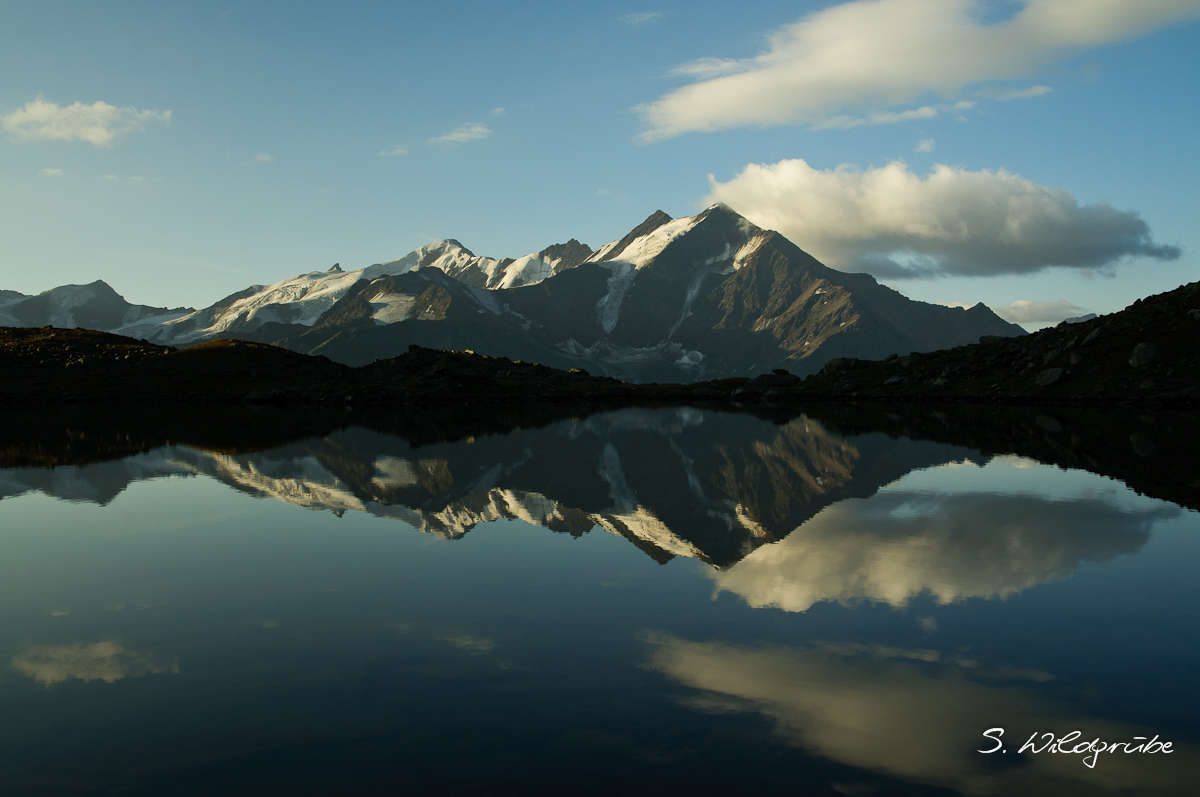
[106,661]
[471,644]
[917,715]
[897,545]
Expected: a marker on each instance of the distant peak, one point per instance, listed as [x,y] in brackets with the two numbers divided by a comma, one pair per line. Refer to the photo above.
[447,243]
[652,223]
[335,269]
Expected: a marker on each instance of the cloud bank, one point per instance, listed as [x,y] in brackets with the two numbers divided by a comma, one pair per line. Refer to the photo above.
[99,123]
[462,134]
[875,54]
[895,224]
[1025,311]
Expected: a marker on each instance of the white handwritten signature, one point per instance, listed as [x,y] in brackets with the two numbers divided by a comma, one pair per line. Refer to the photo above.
[1069,743]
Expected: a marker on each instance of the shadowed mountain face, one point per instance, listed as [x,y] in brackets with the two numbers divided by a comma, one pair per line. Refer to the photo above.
[778,508]
[675,300]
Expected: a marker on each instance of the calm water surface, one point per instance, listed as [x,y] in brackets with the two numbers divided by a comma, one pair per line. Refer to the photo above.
[661,601]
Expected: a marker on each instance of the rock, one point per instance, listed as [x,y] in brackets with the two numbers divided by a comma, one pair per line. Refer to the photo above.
[767,381]
[896,380]
[1142,354]
[1048,377]
[1143,446]
[1097,334]
[1046,423]
[839,364]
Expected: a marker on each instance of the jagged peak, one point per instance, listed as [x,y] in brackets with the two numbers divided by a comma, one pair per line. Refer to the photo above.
[336,268]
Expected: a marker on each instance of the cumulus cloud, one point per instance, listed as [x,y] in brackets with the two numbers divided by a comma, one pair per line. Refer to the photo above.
[870,55]
[462,134]
[643,18]
[98,123]
[101,661]
[893,223]
[1025,311]
[51,172]
[925,145]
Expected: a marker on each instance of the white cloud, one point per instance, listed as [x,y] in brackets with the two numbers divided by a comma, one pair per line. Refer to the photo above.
[397,150]
[893,223]
[104,661]
[1004,95]
[263,157]
[1025,311]
[98,123]
[462,134]
[925,145]
[869,55]
[110,177]
[51,172]
[498,112]
[644,18]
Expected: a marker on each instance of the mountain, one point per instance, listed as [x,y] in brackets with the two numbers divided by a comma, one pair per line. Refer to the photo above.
[94,306]
[687,299]
[675,300]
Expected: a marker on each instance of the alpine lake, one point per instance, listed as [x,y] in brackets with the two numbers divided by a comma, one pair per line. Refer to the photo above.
[577,600]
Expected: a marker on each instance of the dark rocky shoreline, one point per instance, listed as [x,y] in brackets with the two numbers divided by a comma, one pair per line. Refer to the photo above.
[1146,354]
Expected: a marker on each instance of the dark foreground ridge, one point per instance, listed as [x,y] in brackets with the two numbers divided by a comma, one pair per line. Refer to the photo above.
[1152,452]
[1145,354]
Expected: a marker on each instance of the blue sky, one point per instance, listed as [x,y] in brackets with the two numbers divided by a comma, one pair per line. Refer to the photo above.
[1004,152]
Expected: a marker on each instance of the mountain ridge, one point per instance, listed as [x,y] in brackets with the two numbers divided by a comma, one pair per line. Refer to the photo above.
[676,300]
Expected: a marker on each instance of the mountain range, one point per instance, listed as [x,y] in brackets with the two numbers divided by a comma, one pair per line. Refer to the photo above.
[674,300]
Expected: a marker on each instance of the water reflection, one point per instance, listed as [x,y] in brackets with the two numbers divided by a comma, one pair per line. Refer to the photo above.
[106,661]
[727,602]
[681,482]
[875,708]
[953,546]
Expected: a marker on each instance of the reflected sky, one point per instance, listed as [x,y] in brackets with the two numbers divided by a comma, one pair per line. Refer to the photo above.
[640,600]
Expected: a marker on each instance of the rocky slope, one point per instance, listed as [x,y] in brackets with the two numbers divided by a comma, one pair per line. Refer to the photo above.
[1146,352]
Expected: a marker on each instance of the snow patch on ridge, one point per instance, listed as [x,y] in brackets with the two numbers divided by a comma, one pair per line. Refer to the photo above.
[608,309]
[392,308]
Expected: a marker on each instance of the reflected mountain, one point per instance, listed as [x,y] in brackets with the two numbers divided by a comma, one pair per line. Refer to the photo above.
[780,509]
[675,482]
